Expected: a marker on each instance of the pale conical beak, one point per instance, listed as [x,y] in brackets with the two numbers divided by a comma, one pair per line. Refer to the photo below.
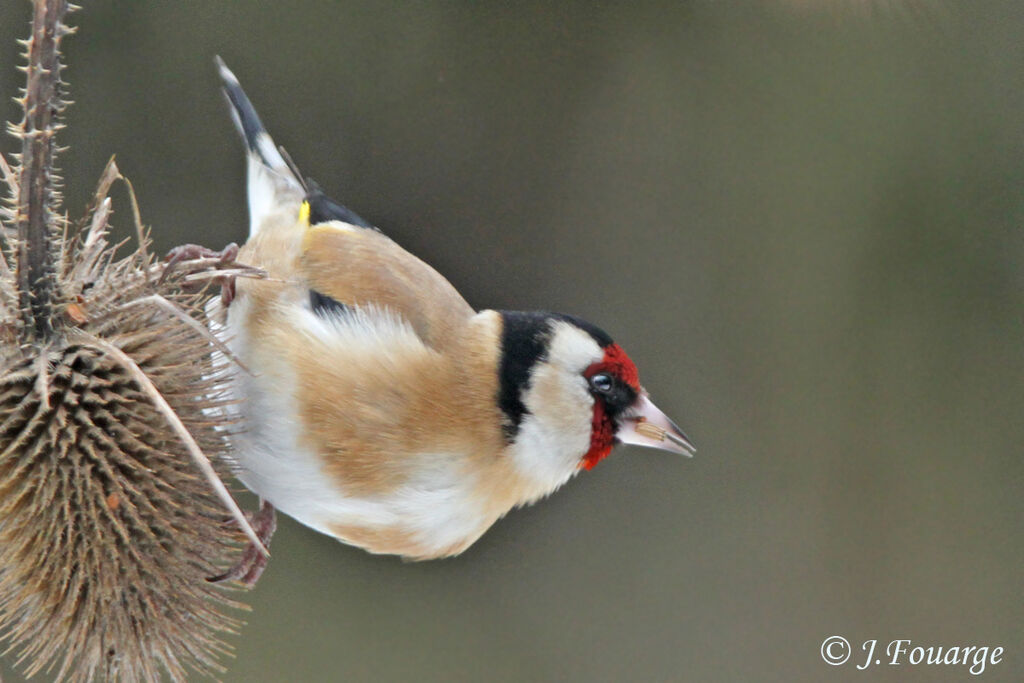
[644,425]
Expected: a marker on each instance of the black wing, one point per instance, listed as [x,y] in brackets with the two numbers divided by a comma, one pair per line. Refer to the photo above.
[322,208]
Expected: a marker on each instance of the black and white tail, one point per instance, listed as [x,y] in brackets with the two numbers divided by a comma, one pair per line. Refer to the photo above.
[272,185]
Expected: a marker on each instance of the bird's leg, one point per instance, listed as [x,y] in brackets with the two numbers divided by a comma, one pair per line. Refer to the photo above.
[206,258]
[252,563]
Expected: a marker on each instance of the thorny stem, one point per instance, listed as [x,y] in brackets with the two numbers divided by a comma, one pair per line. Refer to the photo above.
[36,196]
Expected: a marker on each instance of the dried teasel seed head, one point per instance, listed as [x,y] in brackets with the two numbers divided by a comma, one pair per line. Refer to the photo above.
[113,431]
[108,531]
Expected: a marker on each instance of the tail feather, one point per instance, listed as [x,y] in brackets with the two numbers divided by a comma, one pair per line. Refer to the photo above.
[272,182]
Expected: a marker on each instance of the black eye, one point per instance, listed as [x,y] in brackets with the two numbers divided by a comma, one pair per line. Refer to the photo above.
[602,382]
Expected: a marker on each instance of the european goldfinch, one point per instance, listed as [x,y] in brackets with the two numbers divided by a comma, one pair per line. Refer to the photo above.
[379,407]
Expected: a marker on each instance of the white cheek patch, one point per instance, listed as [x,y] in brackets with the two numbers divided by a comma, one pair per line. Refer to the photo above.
[555,433]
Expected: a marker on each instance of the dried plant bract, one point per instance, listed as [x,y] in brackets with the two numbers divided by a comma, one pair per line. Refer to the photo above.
[112,515]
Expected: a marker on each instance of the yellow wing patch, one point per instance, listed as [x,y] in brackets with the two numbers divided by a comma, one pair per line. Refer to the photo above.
[304,214]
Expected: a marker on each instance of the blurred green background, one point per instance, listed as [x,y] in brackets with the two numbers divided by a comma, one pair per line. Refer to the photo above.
[802,219]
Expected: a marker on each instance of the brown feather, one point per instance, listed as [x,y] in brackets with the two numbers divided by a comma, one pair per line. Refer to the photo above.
[357,266]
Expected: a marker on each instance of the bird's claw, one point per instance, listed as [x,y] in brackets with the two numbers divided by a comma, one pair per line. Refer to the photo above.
[200,259]
[250,566]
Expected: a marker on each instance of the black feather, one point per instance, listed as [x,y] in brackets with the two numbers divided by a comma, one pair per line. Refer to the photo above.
[523,343]
[322,208]
[324,305]
[620,397]
[245,114]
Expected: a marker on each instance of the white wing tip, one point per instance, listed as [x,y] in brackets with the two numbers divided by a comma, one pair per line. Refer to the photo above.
[225,73]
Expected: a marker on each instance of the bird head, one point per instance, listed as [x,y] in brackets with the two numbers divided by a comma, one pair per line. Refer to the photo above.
[569,394]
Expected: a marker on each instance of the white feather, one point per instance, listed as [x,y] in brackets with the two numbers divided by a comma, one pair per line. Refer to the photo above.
[270,192]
